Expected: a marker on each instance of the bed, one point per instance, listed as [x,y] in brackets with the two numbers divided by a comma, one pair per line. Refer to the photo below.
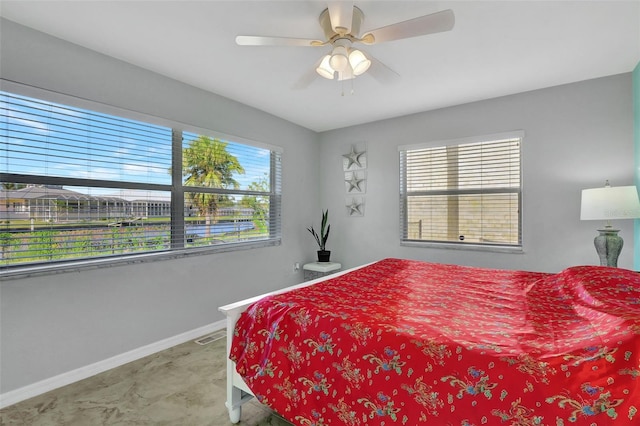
[407,342]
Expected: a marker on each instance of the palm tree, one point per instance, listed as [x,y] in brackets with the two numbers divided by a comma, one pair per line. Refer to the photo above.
[259,204]
[207,163]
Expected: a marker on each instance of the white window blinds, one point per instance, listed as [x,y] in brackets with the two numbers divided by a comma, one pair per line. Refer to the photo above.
[462,193]
[48,139]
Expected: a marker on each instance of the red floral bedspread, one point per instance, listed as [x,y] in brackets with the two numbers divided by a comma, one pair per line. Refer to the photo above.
[407,342]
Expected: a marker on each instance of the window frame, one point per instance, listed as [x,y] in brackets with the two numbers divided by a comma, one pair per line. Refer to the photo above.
[403,195]
[175,188]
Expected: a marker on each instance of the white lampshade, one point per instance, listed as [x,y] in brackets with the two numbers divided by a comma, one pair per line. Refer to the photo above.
[324,69]
[359,62]
[610,203]
[339,60]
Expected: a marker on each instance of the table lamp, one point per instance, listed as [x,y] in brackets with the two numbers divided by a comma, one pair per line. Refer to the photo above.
[609,203]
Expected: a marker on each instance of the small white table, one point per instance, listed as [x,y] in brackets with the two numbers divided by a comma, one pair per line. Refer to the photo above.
[320,269]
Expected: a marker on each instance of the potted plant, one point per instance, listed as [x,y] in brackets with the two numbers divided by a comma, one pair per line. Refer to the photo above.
[323,254]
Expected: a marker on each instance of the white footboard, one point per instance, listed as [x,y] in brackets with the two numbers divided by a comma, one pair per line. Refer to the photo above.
[237,391]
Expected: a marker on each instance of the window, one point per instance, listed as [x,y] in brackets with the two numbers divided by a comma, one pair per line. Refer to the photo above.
[232,191]
[80,184]
[462,193]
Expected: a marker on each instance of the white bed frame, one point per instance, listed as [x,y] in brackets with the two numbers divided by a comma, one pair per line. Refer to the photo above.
[237,391]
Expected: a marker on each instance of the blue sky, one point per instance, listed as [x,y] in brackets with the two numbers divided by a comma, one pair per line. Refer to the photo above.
[44,138]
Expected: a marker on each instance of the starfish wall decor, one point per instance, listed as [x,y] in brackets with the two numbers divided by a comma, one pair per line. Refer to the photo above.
[355,159]
[355,181]
[356,207]
[355,165]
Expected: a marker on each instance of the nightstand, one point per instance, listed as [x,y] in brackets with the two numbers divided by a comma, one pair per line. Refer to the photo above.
[319,269]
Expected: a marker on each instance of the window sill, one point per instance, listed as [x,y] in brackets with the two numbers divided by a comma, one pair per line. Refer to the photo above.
[464,246]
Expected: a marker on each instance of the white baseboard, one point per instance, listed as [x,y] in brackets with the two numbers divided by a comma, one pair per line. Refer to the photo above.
[46,385]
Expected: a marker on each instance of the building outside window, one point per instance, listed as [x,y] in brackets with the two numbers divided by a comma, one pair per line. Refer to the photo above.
[462,193]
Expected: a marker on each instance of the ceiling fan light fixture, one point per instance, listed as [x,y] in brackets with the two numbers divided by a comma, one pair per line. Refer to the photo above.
[347,74]
[359,62]
[341,22]
[339,59]
[324,69]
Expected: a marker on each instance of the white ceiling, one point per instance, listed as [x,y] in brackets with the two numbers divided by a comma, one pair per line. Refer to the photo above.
[496,48]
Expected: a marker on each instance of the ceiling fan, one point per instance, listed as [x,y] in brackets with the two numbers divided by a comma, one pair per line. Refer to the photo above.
[341,23]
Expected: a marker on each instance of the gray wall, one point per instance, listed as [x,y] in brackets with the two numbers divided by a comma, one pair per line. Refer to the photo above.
[57,323]
[636,135]
[576,136]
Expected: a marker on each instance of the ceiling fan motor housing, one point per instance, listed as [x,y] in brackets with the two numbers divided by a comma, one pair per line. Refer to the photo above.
[330,34]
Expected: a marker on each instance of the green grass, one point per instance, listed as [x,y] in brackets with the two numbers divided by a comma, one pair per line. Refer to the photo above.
[89,241]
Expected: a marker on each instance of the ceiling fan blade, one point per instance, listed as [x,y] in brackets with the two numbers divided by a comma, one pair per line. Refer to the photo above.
[277,41]
[423,25]
[381,72]
[307,78]
[341,16]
